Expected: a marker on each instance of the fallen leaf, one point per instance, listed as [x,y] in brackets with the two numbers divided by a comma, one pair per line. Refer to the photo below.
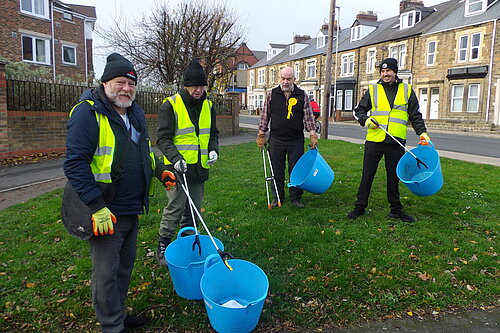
[474,258]
[435,313]
[338,232]
[30,285]
[62,300]
[410,313]
[425,277]
[456,249]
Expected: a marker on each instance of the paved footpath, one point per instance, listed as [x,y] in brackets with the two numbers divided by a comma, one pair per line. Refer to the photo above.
[24,182]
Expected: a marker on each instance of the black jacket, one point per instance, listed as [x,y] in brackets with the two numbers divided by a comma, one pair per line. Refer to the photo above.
[415,117]
[166,130]
[81,141]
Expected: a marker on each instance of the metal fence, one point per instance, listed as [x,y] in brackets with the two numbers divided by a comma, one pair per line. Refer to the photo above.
[41,95]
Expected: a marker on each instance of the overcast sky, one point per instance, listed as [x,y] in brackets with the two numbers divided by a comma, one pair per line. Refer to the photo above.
[266,21]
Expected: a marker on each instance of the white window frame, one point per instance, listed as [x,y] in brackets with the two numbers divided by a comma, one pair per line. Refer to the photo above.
[68,16]
[44,3]
[398,52]
[297,70]
[474,3]
[311,69]
[347,67]
[466,53]
[242,66]
[431,56]
[356,33]
[63,46]
[457,99]
[348,100]
[252,78]
[339,98]
[321,42]
[371,59]
[474,47]
[476,98]
[34,47]
[261,76]
[272,74]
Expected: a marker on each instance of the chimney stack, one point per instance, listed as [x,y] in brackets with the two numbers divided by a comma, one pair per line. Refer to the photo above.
[405,4]
[300,38]
[368,16]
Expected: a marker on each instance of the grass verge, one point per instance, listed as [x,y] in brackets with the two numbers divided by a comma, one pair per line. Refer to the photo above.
[324,270]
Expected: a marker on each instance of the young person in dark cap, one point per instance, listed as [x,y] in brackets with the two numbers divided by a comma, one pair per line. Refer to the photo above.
[392,104]
[110,165]
[189,140]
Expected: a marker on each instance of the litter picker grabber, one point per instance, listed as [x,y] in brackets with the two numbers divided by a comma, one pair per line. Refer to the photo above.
[223,255]
[265,152]
[197,234]
[419,161]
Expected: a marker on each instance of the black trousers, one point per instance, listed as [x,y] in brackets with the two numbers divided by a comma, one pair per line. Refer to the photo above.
[373,153]
[279,150]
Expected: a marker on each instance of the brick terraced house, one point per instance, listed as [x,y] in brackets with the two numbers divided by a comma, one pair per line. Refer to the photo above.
[49,33]
[449,52]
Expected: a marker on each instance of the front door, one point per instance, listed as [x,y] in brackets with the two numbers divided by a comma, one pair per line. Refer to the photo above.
[434,110]
[423,102]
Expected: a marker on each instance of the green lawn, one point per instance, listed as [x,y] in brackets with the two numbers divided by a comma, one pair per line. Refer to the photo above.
[323,269]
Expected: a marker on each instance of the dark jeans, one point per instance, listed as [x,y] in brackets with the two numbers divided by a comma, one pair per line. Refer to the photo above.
[373,153]
[113,259]
[279,150]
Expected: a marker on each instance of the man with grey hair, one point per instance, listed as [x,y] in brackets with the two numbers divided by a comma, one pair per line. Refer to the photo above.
[289,110]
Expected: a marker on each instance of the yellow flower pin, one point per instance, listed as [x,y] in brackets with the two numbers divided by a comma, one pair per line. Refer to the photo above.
[291,102]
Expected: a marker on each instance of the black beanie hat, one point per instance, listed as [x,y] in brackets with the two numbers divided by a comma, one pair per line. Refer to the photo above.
[194,75]
[117,65]
[390,63]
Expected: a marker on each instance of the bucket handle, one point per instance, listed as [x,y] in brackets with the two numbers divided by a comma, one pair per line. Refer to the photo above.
[179,235]
[211,260]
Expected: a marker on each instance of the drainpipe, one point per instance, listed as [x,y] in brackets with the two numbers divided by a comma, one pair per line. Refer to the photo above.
[53,41]
[488,99]
[85,48]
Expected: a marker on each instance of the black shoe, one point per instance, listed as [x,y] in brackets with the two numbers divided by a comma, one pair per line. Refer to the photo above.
[356,212]
[160,251]
[400,215]
[297,203]
[135,322]
[188,233]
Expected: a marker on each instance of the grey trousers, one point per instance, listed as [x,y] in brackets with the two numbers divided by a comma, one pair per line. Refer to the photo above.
[113,259]
[177,211]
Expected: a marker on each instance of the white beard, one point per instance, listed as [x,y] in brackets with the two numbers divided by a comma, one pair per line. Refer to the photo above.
[113,97]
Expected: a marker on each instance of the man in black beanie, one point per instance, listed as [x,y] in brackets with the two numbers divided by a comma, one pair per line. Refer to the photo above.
[189,140]
[392,104]
[110,166]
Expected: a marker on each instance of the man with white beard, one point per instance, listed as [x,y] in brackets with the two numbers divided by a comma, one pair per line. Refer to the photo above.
[289,110]
[110,165]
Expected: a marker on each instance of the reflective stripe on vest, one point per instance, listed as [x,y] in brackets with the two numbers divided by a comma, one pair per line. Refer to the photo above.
[185,139]
[393,120]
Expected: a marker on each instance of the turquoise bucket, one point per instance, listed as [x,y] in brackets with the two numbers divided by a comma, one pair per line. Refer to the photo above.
[233,299]
[186,265]
[311,173]
[421,181]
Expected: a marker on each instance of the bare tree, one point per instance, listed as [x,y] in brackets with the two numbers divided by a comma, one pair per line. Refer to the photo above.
[162,43]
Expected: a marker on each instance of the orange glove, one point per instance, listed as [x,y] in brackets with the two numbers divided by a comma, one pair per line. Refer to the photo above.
[424,139]
[102,222]
[261,140]
[168,179]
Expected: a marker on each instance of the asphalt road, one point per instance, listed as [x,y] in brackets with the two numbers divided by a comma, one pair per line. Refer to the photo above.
[482,144]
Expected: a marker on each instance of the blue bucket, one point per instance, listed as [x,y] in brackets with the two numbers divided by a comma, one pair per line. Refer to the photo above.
[421,181]
[233,299]
[311,173]
[186,265]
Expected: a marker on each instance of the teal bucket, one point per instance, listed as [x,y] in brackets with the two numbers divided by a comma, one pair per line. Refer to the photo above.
[311,173]
[421,181]
[186,265]
[233,298]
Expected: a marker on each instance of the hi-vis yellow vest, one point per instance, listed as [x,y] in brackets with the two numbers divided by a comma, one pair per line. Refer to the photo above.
[102,160]
[185,139]
[394,120]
